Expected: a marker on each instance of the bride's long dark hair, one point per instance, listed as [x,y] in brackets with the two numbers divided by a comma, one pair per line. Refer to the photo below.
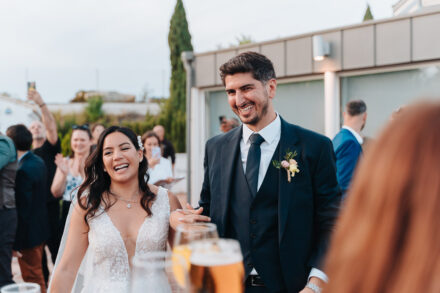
[97,182]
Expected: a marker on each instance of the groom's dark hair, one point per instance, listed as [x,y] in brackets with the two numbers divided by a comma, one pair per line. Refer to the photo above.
[257,64]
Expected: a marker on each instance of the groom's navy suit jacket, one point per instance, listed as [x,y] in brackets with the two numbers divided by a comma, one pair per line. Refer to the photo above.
[306,207]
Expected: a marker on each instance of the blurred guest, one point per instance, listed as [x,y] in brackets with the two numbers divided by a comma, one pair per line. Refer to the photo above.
[168,151]
[30,195]
[388,236]
[234,122]
[159,168]
[45,144]
[96,130]
[70,170]
[228,124]
[8,213]
[347,144]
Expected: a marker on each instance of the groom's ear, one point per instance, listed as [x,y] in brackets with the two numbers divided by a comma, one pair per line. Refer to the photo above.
[271,87]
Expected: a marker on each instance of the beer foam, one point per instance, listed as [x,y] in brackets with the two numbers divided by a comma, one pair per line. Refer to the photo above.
[210,259]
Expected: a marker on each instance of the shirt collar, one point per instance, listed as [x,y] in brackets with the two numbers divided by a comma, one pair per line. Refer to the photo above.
[19,159]
[356,135]
[269,133]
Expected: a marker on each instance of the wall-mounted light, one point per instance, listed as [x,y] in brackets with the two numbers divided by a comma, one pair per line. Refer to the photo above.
[321,48]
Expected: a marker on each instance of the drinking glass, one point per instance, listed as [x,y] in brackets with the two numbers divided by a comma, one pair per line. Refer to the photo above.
[21,288]
[216,266]
[187,233]
[159,272]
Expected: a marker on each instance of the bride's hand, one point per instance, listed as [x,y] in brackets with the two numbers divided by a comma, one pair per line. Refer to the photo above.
[190,215]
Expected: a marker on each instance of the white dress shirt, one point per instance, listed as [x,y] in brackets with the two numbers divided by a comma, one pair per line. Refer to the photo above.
[355,134]
[271,135]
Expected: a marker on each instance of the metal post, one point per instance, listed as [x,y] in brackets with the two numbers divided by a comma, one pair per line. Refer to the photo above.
[187,59]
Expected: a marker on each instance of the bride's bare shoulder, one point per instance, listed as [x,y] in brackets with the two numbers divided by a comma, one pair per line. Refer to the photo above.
[154,189]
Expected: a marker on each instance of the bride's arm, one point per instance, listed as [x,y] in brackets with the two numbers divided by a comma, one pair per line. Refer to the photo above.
[76,246]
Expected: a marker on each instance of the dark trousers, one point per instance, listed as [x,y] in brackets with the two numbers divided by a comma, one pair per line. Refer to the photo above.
[30,266]
[64,214]
[8,227]
[53,243]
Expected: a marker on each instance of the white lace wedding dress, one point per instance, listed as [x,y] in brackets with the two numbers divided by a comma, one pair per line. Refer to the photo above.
[105,267]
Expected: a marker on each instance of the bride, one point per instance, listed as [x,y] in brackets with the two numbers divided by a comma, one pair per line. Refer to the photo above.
[117,216]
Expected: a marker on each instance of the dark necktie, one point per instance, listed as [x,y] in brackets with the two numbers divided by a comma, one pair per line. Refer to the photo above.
[253,162]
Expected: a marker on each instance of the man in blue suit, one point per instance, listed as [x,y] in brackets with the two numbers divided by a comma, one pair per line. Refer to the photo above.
[347,143]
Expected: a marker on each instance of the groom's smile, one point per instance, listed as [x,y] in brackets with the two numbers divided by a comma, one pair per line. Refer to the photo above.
[250,99]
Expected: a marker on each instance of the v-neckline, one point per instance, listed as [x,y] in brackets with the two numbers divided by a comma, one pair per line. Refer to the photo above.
[138,232]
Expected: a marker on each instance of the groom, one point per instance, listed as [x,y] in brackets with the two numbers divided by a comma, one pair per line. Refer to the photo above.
[282,224]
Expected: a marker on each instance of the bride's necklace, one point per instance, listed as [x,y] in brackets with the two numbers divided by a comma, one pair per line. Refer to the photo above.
[127,201]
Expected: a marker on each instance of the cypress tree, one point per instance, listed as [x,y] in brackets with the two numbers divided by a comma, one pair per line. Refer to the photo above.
[174,113]
[368,15]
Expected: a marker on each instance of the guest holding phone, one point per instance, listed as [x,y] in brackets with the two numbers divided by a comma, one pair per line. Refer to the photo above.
[159,168]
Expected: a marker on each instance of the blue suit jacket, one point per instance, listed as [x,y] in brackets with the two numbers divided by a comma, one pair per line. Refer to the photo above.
[347,150]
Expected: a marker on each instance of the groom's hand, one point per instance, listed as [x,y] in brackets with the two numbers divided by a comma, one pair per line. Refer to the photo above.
[189,215]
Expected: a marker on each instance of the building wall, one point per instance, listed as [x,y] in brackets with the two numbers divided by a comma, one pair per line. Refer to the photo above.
[386,92]
[109,108]
[15,112]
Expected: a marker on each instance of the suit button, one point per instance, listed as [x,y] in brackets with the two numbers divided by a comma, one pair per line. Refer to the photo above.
[250,265]
[253,222]
[253,236]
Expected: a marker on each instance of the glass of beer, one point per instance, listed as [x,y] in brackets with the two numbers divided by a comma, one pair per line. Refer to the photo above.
[159,272]
[216,266]
[187,233]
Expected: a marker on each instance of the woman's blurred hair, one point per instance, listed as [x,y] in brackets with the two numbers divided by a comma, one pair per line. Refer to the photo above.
[387,238]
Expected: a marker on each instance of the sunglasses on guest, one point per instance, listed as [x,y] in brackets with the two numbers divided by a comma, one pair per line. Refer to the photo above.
[80,127]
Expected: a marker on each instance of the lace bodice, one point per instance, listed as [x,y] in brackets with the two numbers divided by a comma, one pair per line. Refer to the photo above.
[109,259]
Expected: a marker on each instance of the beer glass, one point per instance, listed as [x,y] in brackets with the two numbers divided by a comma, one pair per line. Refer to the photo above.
[159,272]
[187,233]
[21,288]
[216,266]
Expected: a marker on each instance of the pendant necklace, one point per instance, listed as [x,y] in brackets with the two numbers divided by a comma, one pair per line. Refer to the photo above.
[128,201]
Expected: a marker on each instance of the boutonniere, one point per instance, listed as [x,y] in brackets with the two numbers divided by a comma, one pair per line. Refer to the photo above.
[289,163]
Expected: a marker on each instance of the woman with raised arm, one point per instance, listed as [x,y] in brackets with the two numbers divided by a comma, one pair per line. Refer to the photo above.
[117,215]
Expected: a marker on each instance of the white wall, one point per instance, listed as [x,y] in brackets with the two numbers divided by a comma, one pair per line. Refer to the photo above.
[15,112]
[109,108]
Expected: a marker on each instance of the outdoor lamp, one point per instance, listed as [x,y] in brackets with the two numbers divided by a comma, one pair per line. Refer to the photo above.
[321,48]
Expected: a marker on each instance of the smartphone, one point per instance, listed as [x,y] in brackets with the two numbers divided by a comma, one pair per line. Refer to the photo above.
[156,152]
[31,86]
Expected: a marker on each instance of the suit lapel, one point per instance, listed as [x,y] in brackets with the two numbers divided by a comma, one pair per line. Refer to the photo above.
[286,190]
[229,155]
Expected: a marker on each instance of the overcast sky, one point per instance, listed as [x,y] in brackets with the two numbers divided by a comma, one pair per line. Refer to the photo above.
[122,45]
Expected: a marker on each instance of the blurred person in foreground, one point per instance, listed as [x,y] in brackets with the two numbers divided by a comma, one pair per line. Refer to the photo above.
[388,236]
[347,144]
[168,151]
[70,170]
[8,212]
[30,196]
[46,145]
[159,170]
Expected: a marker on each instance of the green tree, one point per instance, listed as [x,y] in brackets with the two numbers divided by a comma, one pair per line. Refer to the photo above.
[94,109]
[173,116]
[368,15]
